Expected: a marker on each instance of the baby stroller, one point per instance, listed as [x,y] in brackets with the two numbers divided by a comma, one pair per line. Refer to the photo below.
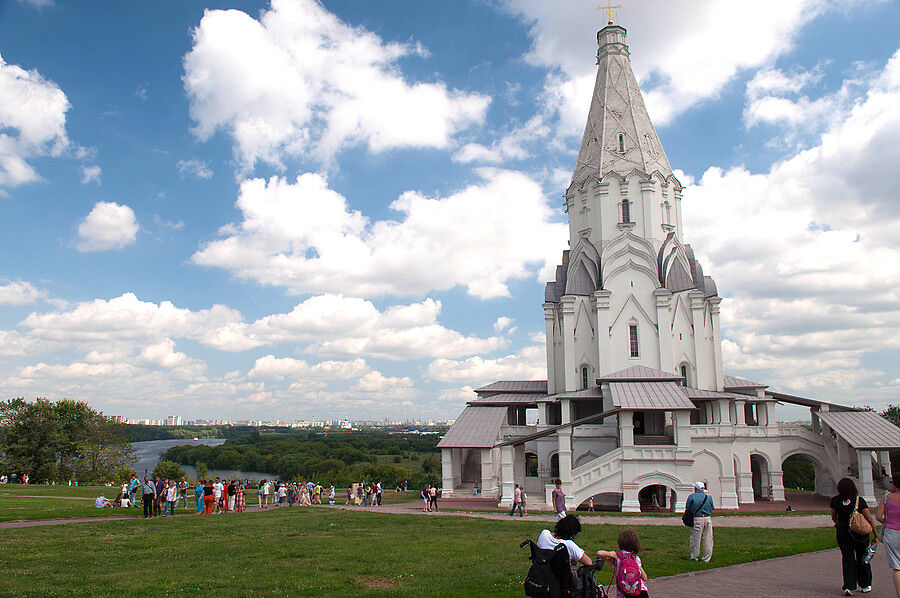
[551,575]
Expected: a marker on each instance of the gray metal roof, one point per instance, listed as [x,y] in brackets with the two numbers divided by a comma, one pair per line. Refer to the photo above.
[476,427]
[649,395]
[587,393]
[732,382]
[529,398]
[538,386]
[638,373]
[863,429]
[814,403]
[700,395]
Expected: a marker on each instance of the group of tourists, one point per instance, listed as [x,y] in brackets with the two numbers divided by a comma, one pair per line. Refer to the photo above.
[13,479]
[293,493]
[365,494]
[430,494]
[857,534]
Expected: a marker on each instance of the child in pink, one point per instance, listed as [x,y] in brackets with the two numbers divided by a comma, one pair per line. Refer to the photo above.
[629,547]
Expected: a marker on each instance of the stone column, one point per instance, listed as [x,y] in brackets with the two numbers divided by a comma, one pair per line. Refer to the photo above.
[507,480]
[626,428]
[488,481]
[884,460]
[630,502]
[717,342]
[776,478]
[740,413]
[571,378]
[745,479]
[703,374]
[447,471]
[601,305]
[649,206]
[663,324]
[683,429]
[866,485]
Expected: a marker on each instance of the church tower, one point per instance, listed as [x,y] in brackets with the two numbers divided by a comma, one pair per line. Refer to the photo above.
[629,291]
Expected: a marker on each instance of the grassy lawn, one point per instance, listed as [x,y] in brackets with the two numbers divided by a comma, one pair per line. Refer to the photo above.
[42,490]
[324,552]
[12,509]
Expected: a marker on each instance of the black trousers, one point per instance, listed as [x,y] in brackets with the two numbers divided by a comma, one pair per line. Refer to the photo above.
[148,505]
[856,573]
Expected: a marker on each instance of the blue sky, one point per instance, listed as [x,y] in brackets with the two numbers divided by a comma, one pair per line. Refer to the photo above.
[305,209]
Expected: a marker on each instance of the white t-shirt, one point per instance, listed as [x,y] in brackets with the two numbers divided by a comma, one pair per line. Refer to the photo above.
[125,502]
[217,489]
[171,493]
[100,501]
[547,540]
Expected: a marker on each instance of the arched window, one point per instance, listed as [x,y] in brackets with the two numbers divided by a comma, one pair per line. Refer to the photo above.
[531,465]
[554,466]
[667,213]
[626,211]
[621,137]
[684,374]
[633,346]
[584,377]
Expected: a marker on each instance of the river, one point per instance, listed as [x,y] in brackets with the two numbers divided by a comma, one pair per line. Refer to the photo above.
[147,455]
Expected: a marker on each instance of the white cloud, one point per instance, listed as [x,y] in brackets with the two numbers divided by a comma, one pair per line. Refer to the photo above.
[38,3]
[808,254]
[90,174]
[108,226]
[302,236]
[504,323]
[511,146]
[32,121]
[676,71]
[13,343]
[530,363]
[194,167]
[300,81]
[286,367]
[19,292]
[337,325]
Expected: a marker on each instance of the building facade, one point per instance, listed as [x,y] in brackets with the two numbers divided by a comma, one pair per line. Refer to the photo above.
[636,405]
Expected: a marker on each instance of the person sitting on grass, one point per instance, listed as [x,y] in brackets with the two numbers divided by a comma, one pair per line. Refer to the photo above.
[117,502]
[626,557]
[101,501]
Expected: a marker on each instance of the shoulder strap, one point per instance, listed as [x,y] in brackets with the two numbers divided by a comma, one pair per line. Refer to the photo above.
[697,510]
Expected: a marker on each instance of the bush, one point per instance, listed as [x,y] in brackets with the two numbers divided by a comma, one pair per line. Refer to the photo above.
[202,471]
[169,470]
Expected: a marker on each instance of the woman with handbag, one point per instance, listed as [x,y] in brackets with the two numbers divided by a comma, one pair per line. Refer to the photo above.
[889,514]
[853,525]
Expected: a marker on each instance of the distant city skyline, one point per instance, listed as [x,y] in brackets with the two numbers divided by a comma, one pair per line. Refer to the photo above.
[281,210]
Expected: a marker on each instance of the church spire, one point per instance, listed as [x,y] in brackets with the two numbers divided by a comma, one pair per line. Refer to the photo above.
[619,136]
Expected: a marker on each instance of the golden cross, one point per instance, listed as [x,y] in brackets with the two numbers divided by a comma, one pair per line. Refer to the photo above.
[610,10]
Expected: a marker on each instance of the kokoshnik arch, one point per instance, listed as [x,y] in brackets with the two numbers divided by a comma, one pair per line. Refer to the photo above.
[636,405]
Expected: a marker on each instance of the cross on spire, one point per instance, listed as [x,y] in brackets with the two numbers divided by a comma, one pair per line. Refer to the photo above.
[610,11]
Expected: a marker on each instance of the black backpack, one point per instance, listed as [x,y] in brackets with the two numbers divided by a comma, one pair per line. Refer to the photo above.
[550,575]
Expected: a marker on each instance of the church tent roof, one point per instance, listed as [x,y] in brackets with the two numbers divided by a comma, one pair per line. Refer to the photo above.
[536,386]
[522,398]
[639,373]
[863,429]
[476,427]
[649,396]
[733,383]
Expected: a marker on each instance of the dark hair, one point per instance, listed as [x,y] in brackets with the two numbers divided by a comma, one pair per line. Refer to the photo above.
[558,482]
[628,540]
[895,480]
[567,527]
[846,488]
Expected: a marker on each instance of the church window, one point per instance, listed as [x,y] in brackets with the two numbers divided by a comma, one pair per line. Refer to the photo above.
[531,465]
[626,211]
[633,340]
[667,213]
[684,375]
[584,377]
[554,465]
[621,137]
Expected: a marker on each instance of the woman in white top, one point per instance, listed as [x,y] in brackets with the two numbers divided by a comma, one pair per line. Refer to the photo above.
[566,529]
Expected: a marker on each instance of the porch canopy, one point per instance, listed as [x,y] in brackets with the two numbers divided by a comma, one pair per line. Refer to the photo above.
[649,396]
[476,427]
[863,429]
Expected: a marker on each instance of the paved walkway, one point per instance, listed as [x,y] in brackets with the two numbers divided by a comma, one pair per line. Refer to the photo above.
[810,575]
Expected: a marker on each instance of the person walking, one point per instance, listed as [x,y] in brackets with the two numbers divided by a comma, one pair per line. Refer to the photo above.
[209,499]
[426,498]
[231,492]
[133,486]
[198,495]
[889,514]
[558,498]
[701,505]
[517,501]
[148,496]
[171,499]
[239,504]
[434,496]
[217,494]
[182,491]
[856,570]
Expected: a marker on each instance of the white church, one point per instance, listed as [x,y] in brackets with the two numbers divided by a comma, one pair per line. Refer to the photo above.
[637,405]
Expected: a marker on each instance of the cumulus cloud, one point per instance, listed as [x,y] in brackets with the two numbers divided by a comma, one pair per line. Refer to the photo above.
[530,363]
[300,81]
[275,368]
[107,226]
[90,174]
[194,167]
[32,121]
[303,236]
[728,37]
[337,325]
[19,292]
[808,254]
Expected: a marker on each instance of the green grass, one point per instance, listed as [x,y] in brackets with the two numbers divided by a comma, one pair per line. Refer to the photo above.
[42,490]
[326,552]
[12,509]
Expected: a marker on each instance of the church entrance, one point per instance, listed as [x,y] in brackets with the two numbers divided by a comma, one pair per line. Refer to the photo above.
[656,497]
[759,468]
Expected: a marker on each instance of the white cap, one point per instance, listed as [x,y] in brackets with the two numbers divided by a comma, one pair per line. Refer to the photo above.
[698,485]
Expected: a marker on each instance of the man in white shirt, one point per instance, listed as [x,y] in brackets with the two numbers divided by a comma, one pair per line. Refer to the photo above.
[101,501]
[217,493]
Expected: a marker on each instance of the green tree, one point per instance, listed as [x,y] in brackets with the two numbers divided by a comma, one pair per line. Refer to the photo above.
[169,470]
[431,466]
[202,471]
[892,414]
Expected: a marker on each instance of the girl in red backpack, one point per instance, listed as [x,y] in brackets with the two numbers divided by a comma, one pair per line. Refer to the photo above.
[629,575]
